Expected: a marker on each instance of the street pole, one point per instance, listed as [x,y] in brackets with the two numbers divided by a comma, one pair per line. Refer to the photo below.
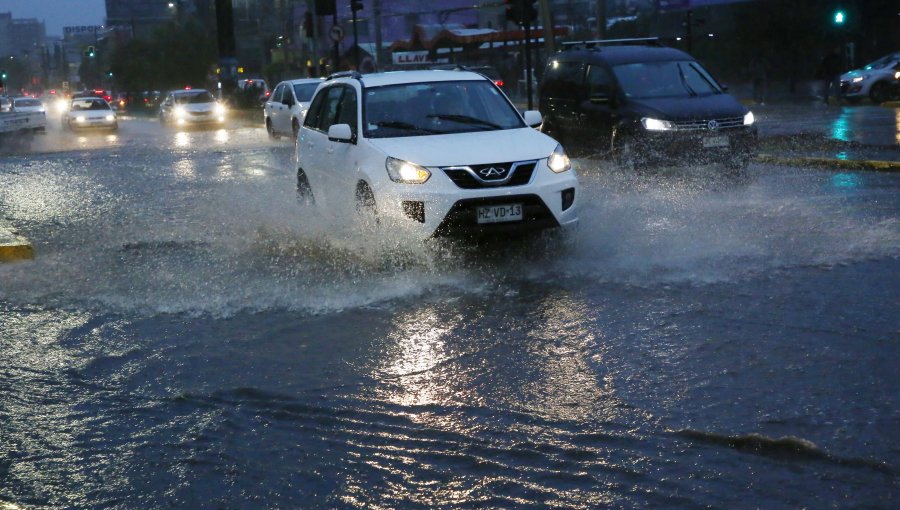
[355,35]
[376,18]
[547,22]
[337,47]
[689,34]
[528,64]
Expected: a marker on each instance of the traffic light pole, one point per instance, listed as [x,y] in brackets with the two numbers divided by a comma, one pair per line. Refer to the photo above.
[353,5]
[528,64]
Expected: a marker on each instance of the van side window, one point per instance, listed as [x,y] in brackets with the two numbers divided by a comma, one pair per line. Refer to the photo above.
[564,80]
[599,81]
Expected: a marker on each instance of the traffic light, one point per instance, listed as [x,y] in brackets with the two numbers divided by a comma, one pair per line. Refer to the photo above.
[90,52]
[839,17]
[325,7]
[356,5]
[3,75]
[520,12]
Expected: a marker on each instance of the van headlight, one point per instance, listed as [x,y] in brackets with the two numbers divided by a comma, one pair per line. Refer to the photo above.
[559,161]
[406,172]
[749,119]
[651,124]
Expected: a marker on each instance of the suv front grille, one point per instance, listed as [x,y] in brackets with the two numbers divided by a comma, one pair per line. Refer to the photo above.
[710,124]
[492,175]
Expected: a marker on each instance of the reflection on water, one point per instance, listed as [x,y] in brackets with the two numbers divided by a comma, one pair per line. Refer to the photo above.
[184,168]
[221,136]
[897,119]
[841,127]
[182,139]
[846,181]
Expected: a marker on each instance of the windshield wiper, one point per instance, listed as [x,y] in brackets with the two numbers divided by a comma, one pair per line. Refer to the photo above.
[465,119]
[406,126]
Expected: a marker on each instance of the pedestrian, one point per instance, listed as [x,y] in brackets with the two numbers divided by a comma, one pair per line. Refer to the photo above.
[831,70]
[759,74]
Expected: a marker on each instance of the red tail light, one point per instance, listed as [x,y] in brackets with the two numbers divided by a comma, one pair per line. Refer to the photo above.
[498,83]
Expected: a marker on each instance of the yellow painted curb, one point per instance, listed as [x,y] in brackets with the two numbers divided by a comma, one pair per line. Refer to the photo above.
[853,164]
[14,247]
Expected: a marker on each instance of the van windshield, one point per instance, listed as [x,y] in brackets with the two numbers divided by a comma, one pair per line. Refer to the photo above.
[647,80]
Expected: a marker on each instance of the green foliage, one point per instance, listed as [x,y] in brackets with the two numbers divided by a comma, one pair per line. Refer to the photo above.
[175,56]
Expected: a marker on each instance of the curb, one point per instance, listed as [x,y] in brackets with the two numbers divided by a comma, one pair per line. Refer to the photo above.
[891,104]
[851,164]
[14,247]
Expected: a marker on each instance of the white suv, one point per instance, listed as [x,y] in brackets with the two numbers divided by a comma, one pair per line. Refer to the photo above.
[434,152]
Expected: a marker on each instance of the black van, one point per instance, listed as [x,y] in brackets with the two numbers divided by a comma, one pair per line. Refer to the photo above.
[643,103]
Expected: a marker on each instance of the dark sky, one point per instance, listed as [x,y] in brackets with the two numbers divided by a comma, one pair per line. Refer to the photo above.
[57,13]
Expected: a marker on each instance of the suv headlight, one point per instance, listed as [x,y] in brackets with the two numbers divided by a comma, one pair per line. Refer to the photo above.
[178,111]
[857,79]
[657,125]
[406,172]
[559,161]
[749,118]
[219,109]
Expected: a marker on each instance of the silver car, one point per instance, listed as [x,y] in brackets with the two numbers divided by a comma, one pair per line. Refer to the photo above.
[286,108]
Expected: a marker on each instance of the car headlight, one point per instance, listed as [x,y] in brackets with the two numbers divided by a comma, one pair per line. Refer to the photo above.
[749,119]
[857,79]
[406,172]
[897,75]
[79,118]
[219,109]
[110,118]
[657,125]
[559,161]
[178,112]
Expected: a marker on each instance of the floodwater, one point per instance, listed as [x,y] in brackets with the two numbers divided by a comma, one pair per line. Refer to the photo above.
[190,335]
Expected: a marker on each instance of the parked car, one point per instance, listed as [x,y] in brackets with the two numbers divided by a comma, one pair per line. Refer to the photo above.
[5,103]
[89,113]
[644,104]
[431,153]
[186,107]
[31,105]
[873,80]
[286,107]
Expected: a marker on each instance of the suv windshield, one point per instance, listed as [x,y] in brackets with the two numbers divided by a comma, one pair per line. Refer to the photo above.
[200,96]
[304,91]
[665,79]
[436,108]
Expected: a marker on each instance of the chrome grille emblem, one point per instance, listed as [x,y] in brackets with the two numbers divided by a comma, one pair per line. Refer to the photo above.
[712,125]
[492,172]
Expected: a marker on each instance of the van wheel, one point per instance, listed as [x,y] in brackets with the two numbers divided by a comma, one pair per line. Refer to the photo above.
[304,190]
[270,130]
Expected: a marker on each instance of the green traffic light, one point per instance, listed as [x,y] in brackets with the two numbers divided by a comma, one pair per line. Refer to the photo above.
[839,18]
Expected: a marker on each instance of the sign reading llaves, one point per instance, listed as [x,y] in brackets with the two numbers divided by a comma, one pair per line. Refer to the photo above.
[411,57]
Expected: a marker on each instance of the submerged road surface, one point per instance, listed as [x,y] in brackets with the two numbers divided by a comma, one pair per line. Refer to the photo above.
[189,335]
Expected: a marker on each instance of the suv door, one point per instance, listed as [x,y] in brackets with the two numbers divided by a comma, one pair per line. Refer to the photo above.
[597,109]
[327,164]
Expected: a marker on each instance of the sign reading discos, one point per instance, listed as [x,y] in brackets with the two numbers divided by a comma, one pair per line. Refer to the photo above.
[82,29]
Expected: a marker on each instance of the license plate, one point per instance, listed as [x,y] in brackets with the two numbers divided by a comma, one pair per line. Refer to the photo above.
[499,213]
[715,141]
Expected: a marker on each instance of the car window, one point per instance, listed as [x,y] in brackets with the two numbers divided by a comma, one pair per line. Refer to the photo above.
[305,91]
[195,97]
[599,81]
[324,110]
[27,102]
[647,80]
[415,109]
[276,96]
[347,110]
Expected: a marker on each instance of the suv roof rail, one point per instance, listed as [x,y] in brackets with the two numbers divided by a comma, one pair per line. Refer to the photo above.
[638,41]
[345,74]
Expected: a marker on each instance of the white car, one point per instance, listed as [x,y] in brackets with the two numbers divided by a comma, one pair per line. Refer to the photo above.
[872,81]
[286,107]
[431,152]
[89,113]
[32,105]
[191,107]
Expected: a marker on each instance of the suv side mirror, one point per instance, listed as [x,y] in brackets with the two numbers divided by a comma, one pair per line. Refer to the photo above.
[533,118]
[340,133]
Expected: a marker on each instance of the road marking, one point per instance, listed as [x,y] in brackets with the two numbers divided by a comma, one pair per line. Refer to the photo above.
[855,164]
[14,247]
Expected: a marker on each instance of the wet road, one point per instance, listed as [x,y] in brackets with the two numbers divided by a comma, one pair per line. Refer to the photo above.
[189,335]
